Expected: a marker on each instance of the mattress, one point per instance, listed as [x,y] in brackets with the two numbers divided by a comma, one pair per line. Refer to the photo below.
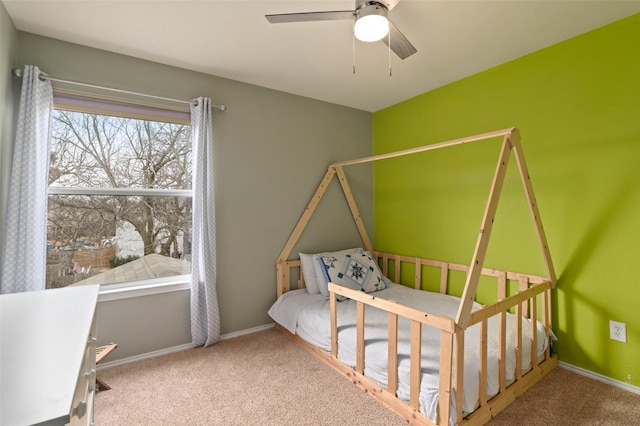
[308,316]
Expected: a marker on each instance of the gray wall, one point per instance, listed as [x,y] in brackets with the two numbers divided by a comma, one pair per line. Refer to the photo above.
[8,97]
[271,151]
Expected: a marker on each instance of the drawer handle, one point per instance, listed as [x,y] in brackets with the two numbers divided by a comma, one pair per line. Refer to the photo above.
[81,409]
[90,375]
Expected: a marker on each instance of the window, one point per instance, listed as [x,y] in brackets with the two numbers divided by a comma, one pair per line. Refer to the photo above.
[119,203]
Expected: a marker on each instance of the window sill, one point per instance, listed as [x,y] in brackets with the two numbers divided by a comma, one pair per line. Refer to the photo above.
[147,288]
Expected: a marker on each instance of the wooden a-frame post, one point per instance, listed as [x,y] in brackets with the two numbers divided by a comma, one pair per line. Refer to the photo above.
[511,142]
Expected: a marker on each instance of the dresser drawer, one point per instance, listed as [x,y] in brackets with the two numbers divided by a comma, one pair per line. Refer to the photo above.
[82,407]
[48,352]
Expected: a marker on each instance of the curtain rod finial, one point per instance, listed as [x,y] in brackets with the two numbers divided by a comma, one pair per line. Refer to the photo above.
[17,72]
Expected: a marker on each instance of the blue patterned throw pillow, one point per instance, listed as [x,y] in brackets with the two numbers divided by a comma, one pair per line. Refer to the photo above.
[358,271]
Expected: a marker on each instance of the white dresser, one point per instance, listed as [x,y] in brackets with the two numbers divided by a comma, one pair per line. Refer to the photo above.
[48,356]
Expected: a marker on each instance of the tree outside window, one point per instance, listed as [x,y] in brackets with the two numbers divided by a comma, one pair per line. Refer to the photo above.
[119,193]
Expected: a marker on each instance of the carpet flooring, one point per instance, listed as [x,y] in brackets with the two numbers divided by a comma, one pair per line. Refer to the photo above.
[266,378]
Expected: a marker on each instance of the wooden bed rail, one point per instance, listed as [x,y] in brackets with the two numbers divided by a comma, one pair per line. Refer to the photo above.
[532,301]
[417,318]
[385,260]
[451,356]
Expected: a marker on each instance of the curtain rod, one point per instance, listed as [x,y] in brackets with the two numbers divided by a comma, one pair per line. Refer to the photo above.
[18,73]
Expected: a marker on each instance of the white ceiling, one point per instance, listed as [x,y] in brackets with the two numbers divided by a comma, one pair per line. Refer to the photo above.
[233,39]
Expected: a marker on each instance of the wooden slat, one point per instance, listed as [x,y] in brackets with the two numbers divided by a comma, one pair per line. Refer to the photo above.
[518,333]
[385,265]
[306,215]
[333,312]
[502,351]
[392,373]
[523,284]
[546,315]
[458,384]
[533,206]
[444,277]
[283,283]
[360,337]
[418,274]
[482,396]
[362,230]
[429,147]
[534,332]
[489,272]
[442,323]
[396,272]
[444,392]
[549,324]
[415,361]
[502,286]
[473,276]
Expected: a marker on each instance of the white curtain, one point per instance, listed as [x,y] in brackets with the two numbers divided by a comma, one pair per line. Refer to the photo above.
[205,316]
[24,260]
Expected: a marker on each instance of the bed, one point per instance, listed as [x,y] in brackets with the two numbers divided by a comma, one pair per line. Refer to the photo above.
[432,357]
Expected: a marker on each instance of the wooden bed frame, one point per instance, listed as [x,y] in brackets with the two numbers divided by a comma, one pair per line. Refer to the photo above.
[531,300]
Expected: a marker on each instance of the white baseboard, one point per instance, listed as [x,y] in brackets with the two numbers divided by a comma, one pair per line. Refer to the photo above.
[178,348]
[247,331]
[601,378]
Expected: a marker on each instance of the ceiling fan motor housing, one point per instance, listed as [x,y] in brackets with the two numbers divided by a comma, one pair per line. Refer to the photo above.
[371,21]
[363,3]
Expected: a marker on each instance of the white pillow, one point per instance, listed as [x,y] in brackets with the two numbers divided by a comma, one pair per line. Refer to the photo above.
[309,273]
[358,271]
[314,278]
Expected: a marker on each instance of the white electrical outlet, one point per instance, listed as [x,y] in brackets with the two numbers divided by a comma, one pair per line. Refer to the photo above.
[618,331]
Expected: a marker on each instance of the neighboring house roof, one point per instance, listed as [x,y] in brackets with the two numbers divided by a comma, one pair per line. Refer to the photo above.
[147,267]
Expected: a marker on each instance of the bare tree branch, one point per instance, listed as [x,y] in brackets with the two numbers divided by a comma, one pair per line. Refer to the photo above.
[90,150]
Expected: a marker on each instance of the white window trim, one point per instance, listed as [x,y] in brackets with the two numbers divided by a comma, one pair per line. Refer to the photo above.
[127,290]
[59,190]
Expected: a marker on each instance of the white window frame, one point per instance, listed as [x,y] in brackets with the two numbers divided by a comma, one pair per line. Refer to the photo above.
[88,104]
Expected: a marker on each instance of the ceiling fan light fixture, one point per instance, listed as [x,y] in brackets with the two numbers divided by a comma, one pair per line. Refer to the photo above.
[371,23]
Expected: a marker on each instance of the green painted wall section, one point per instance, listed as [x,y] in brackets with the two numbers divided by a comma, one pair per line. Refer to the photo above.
[577,105]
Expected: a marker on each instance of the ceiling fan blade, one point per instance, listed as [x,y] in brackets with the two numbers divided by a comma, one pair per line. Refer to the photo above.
[399,43]
[336,15]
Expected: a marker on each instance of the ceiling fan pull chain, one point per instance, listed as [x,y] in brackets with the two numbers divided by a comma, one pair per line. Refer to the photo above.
[389,45]
[353,47]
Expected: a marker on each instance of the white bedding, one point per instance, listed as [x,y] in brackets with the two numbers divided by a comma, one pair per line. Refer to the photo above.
[308,317]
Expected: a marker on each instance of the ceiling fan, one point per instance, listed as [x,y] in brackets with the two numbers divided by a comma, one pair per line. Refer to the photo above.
[371,23]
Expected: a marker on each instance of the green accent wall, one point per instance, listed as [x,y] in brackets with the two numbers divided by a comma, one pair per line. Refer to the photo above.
[577,105]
